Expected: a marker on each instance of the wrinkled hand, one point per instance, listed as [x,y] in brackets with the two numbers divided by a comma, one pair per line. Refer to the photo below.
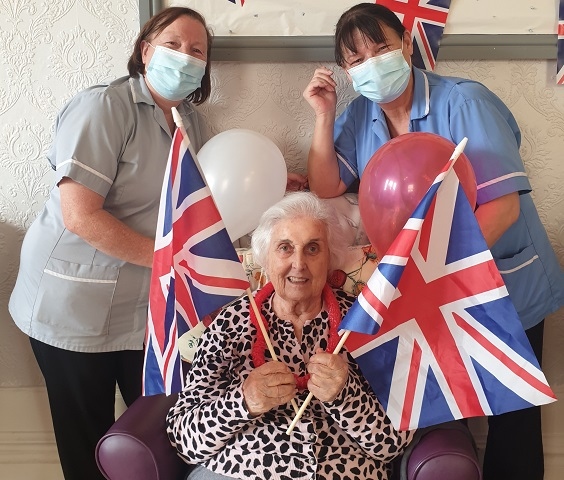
[268,386]
[329,374]
[321,93]
[296,182]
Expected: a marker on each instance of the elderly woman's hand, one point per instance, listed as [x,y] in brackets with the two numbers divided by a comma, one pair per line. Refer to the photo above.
[268,386]
[329,374]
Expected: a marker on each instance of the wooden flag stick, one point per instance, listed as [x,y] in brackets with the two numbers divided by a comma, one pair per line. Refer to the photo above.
[265,335]
[310,395]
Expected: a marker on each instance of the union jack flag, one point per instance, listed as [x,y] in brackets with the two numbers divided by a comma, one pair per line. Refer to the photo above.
[560,57]
[238,2]
[196,269]
[440,339]
[426,20]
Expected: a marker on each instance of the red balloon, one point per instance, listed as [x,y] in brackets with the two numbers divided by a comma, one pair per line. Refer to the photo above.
[397,177]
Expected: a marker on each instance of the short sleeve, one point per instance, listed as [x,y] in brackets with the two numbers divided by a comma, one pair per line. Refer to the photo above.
[345,146]
[493,143]
[90,135]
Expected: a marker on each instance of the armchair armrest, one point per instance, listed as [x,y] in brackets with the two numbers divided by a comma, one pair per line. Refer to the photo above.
[443,453]
[137,446]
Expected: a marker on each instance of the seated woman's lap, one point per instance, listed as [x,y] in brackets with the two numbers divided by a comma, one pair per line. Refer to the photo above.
[202,473]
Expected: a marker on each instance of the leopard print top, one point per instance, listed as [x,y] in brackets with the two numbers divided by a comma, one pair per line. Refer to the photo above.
[350,438]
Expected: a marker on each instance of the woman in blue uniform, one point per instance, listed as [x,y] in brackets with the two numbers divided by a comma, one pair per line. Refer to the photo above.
[374,50]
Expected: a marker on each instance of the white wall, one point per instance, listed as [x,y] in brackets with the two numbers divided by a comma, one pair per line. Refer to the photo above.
[49,50]
[318,17]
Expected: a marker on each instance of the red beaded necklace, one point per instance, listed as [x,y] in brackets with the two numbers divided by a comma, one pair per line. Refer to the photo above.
[259,346]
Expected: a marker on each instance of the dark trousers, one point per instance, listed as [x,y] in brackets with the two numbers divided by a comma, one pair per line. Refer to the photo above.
[514,447]
[81,388]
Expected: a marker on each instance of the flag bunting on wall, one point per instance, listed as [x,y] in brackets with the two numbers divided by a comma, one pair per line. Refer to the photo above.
[196,269]
[440,338]
[426,20]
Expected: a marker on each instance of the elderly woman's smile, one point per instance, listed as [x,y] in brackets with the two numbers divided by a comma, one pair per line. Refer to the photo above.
[298,262]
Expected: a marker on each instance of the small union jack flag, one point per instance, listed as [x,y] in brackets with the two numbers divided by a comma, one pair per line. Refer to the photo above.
[238,2]
[426,20]
[440,339]
[560,57]
[196,269]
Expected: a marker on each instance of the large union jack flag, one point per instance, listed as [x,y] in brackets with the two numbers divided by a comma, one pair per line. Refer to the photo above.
[196,269]
[426,20]
[560,53]
[441,340]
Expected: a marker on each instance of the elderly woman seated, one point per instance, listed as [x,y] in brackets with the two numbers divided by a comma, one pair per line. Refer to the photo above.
[233,416]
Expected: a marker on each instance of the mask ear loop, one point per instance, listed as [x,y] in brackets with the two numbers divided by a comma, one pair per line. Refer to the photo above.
[410,63]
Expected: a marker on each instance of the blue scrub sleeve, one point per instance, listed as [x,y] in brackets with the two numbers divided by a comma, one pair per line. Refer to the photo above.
[492,148]
[345,146]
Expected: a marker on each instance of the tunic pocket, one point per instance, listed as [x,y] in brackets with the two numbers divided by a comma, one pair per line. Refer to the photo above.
[76,298]
[525,279]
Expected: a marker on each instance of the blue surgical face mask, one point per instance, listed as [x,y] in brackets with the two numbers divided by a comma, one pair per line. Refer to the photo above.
[381,79]
[174,75]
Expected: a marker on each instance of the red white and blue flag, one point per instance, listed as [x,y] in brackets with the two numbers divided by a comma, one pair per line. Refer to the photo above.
[426,20]
[196,269]
[560,42]
[238,2]
[440,338]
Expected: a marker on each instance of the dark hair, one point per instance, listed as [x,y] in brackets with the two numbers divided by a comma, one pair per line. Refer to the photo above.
[154,26]
[368,19]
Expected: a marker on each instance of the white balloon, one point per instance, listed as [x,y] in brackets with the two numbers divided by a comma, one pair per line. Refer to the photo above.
[246,173]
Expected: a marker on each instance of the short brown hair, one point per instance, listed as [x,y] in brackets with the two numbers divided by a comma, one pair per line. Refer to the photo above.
[154,26]
[368,19]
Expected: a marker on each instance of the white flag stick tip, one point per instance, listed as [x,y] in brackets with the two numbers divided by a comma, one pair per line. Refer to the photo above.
[459,148]
[177,118]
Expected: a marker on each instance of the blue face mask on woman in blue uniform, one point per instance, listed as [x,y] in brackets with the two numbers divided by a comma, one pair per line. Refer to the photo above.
[382,79]
[174,75]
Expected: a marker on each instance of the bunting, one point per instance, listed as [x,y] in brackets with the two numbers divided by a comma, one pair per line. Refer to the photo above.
[426,20]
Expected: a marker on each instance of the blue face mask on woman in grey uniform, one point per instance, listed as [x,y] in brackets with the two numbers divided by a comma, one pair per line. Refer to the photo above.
[174,75]
[381,79]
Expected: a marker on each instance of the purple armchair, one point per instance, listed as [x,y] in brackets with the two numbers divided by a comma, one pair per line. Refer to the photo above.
[137,448]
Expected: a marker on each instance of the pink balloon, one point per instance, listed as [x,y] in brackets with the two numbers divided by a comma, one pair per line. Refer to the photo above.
[396,178]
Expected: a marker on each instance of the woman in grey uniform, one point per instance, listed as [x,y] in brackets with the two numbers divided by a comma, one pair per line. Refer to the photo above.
[82,290]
